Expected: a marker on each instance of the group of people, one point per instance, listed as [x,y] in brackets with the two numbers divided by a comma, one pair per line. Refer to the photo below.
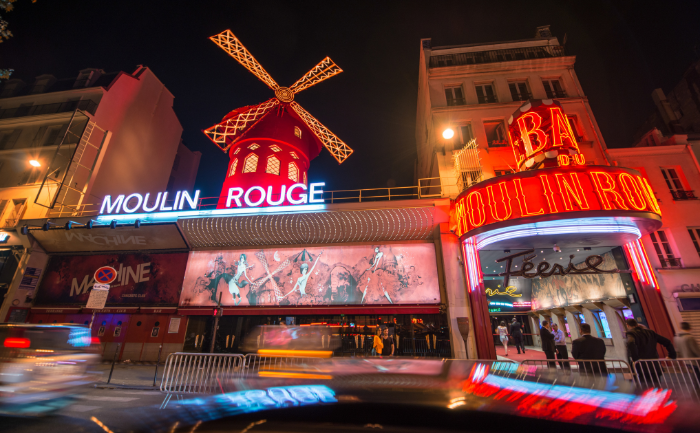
[382,344]
[516,331]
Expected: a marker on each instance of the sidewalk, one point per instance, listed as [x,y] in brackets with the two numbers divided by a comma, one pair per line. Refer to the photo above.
[128,375]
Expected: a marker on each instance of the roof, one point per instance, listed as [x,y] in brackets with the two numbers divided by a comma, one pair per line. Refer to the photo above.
[63,84]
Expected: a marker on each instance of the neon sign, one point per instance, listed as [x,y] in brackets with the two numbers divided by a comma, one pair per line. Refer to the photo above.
[550,191]
[134,202]
[256,195]
[508,291]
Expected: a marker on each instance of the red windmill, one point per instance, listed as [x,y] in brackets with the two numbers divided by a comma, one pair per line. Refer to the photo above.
[270,144]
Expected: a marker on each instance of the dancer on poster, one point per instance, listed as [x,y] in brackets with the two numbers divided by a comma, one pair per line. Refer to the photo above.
[303,279]
[375,262]
[234,285]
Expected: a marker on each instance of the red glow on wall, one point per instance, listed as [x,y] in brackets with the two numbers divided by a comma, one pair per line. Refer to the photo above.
[553,191]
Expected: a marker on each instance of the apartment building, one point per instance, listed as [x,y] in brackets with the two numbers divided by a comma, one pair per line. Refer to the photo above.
[66,143]
[474,89]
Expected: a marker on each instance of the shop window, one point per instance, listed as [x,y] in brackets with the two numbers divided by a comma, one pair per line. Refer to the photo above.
[485,94]
[603,319]
[293,172]
[273,165]
[496,134]
[251,163]
[519,91]
[662,246]
[627,313]
[254,146]
[297,132]
[553,89]
[454,96]
[695,237]
[275,148]
[232,171]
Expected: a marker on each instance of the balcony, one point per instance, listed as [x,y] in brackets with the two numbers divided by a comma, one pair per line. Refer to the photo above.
[521,97]
[487,99]
[671,262]
[499,143]
[496,56]
[456,101]
[59,107]
[683,195]
[552,94]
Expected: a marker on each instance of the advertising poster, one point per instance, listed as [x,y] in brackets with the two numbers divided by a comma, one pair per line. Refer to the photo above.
[515,297]
[143,279]
[358,275]
[560,291]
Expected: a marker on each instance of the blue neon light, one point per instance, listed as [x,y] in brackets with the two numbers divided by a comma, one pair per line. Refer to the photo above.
[161,217]
[570,226]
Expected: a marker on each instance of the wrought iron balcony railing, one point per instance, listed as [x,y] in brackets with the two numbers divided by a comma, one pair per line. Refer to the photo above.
[59,107]
[671,262]
[521,96]
[683,195]
[456,101]
[486,99]
[551,94]
[495,56]
[499,143]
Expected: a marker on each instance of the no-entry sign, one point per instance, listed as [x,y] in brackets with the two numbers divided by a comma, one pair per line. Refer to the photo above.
[105,275]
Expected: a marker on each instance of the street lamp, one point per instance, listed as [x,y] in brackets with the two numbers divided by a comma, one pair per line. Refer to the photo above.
[448,133]
[34,163]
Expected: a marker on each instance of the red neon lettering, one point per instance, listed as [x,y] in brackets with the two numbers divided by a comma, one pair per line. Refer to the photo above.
[461,218]
[472,209]
[605,184]
[516,152]
[563,160]
[579,159]
[561,129]
[535,130]
[649,195]
[548,193]
[522,202]
[631,189]
[505,199]
[568,192]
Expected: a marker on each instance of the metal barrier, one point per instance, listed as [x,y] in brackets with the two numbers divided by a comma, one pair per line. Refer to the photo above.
[194,373]
[682,375]
[256,365]
[578,367]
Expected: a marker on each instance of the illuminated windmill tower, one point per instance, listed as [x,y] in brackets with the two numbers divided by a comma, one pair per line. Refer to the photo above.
[271,144]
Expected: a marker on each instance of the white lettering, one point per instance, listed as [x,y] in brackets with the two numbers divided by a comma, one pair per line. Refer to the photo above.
[76,289]
[269,196]
[191,201]
[155,206]
[313,192]
[162,204]
[130,272]
[125,206]
[177,200]
[302,197]
[236,198]
[111,207]
[143,270]
[246,197]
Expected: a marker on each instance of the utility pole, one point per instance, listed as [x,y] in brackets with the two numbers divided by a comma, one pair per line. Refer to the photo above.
[217,313]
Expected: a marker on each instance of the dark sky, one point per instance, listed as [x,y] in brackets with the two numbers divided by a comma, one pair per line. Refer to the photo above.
[624,50]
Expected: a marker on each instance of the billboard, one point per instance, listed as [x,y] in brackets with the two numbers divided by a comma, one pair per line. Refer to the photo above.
[514,297]
[142,279]
[357,275]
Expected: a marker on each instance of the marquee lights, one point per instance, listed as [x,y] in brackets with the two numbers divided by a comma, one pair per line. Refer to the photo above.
[549,191]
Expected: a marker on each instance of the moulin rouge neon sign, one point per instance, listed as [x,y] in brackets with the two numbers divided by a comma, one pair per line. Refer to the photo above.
[255,196]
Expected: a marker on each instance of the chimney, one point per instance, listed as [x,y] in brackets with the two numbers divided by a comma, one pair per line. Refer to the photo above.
[666,111]
[543,32]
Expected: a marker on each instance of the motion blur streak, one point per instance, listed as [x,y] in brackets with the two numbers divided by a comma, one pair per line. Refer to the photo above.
[563,403]
[297,353]
[99,423]
[294,375]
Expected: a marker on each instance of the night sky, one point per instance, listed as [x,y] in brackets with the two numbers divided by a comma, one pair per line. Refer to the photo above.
[624,50]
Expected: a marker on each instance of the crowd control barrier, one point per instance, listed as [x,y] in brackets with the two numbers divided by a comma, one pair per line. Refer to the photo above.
[200,373]
[681,376]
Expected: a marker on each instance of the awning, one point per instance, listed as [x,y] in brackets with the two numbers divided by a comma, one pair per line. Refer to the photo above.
[292,311]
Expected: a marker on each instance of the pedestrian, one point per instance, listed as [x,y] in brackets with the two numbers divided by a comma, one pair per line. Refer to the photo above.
[387,343]
[589,347]
[503,335]
[517,333]
[688,347]
[641,345]
[547,343]
[560,345]
[377,345]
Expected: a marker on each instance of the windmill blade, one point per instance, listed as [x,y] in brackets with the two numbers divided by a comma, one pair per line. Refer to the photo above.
[324,70]
[226,133]
[335,145]
[230,43]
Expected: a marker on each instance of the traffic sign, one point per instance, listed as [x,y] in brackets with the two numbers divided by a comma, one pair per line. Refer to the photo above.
[105,275]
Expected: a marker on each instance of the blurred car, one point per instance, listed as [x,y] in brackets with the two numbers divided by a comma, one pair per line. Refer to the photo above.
[43,367]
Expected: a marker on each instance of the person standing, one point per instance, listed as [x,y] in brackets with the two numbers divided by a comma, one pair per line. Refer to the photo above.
[387,343]
[641,344]
[547,342]
[688,347]
[560,345]
[503,335]
[517,333]
[377,345]
[589,347]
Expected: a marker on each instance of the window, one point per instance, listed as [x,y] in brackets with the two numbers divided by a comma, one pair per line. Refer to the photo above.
[454,96]
[251,163]
[305,178]
[553,89]
[273,165]
[673,181]
[496,134]
[52,135]
[603,320]
[253,146]
[275,148]
[485,93]
[232,170]
[501,172]
[236,151]
[294,155]
[695,237]
[465,134]
[662,246]
[8,138]
[297,132]
[15,212]
[518,91]
[293,172]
